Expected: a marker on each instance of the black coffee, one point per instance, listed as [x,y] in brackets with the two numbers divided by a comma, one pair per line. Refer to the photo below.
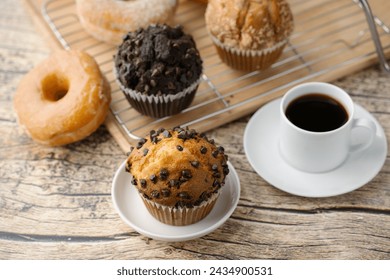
[316,112]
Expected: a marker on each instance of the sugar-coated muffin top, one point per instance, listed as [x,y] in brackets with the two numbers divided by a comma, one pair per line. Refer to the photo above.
[177,167]
[158,60]
[249,24]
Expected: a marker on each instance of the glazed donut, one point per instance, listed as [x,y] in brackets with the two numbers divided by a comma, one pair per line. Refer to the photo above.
[63,99]
[109,20]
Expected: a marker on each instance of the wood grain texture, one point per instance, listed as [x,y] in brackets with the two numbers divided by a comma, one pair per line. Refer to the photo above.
[55,203]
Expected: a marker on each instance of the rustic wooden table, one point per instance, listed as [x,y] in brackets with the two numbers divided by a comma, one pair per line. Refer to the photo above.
[55,203]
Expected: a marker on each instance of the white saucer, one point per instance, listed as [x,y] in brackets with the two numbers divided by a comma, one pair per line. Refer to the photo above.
[133,212]
[261,148]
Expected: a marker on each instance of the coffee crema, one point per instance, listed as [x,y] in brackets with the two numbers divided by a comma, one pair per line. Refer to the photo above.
[316,112]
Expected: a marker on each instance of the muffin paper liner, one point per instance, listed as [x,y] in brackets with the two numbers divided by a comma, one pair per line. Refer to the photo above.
[162,105]
[249,60]
[180,216]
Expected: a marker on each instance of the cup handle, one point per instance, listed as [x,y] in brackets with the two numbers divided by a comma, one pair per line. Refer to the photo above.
[367,124]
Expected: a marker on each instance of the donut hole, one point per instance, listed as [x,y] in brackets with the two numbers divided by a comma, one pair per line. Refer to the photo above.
[55,87]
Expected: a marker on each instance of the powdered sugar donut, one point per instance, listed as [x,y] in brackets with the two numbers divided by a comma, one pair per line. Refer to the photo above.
[109,20]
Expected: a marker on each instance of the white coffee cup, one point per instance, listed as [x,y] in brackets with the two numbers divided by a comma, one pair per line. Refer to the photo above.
[320,151]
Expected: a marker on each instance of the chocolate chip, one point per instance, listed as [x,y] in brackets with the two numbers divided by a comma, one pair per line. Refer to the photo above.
[217,175]
[182,204]
[138,63]
[137,42]
[145,151]
[226,170]
[186,173]
[146,196]
[174,183]
[184,195]
[129,152]
[143,183]
[212,141]
[155,194]
[203,150]
[180,148]
[165,192]
[204,196]
[192,133]
[140,143]
[160,130]
[153,178]
[183,78]
[155,140]
[191,51]
[155,73]
[177,70]
[182,135]
[215,153]
[170,84]
[195,163]
[216,184]
[128,166]
[214,167]
[153,136]
[134,181]
[221,149]
[183,180]
[164,174]
[167,134]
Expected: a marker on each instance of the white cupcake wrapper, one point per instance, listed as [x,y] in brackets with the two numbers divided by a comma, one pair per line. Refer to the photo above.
[158,106]
[249,53]
[249,59]
[141,97]
[180,216]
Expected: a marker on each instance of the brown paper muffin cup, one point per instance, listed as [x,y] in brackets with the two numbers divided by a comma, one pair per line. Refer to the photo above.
[159,106]
[180,216]
[248,60]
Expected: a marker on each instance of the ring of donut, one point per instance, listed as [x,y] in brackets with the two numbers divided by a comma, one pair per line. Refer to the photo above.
[63,99]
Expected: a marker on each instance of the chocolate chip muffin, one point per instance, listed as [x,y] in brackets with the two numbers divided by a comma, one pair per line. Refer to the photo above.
[249,34]
[178,173]
[158,69]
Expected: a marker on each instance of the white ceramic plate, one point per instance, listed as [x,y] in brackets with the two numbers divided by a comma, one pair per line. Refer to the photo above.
[133,212]
[261,148]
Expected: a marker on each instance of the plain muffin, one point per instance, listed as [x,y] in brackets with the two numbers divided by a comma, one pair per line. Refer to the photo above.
[249,34]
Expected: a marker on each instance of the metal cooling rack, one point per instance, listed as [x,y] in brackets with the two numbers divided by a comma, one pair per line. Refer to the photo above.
[226,94]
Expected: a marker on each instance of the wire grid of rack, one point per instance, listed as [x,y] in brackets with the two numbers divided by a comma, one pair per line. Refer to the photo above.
[331,38]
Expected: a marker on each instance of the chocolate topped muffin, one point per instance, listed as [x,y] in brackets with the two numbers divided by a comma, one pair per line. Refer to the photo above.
[178,173]
[156,67]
